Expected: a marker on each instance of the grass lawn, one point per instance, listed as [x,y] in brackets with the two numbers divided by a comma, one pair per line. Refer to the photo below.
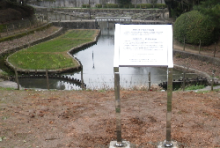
[52,54]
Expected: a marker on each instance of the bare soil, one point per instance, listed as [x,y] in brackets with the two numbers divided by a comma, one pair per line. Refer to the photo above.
[86,119]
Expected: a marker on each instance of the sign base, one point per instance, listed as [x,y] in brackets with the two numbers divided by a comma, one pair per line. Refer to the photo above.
[173,144]
[126,144]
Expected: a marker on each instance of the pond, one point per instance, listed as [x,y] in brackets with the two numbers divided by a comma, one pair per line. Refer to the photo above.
[97,62]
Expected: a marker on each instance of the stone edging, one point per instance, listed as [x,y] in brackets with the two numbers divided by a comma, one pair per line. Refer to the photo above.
[185,54]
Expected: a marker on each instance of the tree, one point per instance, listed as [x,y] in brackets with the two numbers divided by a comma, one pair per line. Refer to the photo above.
[177,7]
[210,8]
[170,5]
[153,2]
[193,27]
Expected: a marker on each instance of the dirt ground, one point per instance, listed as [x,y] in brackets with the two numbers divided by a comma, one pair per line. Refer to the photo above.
[86,119]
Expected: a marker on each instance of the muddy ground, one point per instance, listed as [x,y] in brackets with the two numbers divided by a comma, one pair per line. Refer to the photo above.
[86,119]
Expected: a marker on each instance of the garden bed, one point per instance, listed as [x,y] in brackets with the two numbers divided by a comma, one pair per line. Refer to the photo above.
[53,54]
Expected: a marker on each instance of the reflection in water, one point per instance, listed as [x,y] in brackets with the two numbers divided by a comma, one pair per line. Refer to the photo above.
[93,60]
[40,83]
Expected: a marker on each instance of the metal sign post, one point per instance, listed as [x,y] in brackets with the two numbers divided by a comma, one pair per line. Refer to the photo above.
[169,143]
[117,106]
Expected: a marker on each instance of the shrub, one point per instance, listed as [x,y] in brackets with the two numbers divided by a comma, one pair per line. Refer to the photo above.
[2,27]
[85,6]
[194,27]
[160,6]
[98,5]
[144,6]
[111,6]
[128,6]
[195,87]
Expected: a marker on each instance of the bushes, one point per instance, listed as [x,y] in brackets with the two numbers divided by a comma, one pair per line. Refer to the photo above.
[85,6]
[110,6]
[98,5]
[146,6]
[194,27]
[160,6]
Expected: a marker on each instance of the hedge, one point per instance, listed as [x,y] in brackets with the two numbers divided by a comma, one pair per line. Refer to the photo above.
[85,6]
[195,27]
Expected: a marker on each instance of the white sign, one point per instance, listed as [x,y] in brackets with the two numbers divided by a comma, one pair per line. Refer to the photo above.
[143,45]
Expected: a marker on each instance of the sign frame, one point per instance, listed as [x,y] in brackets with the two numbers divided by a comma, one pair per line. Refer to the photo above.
[166,47]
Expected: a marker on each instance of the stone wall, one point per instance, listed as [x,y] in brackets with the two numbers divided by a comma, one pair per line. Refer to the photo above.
[78,14]
[79,3]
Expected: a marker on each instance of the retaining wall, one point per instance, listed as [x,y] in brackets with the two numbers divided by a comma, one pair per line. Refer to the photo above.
[184,54]
[89,24]
[79,3]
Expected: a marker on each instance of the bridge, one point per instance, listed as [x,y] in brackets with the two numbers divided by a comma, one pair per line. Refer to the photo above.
[113,19]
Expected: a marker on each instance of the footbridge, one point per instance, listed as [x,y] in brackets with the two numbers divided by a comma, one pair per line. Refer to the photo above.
[113,19]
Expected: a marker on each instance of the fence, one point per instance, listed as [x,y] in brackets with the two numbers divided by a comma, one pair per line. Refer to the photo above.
[209,50]
[148,82]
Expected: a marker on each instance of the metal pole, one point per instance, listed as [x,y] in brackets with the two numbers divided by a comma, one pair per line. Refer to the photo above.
[117,106]
[184,80]
[82,81]
[213,74]
[184,43]
[17,80]
[199,46]
[149,80]
[215,50]
[48,87]
[89,10]
[168,142]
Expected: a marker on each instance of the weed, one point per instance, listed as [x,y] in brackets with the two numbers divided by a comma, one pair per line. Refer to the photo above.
[5,88]
[195,87]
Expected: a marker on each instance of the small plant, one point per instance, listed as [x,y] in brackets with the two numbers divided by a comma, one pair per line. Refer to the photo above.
[85,6]
[98,5]
[144,6]
[160,6]
[195,87]
[111,6]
